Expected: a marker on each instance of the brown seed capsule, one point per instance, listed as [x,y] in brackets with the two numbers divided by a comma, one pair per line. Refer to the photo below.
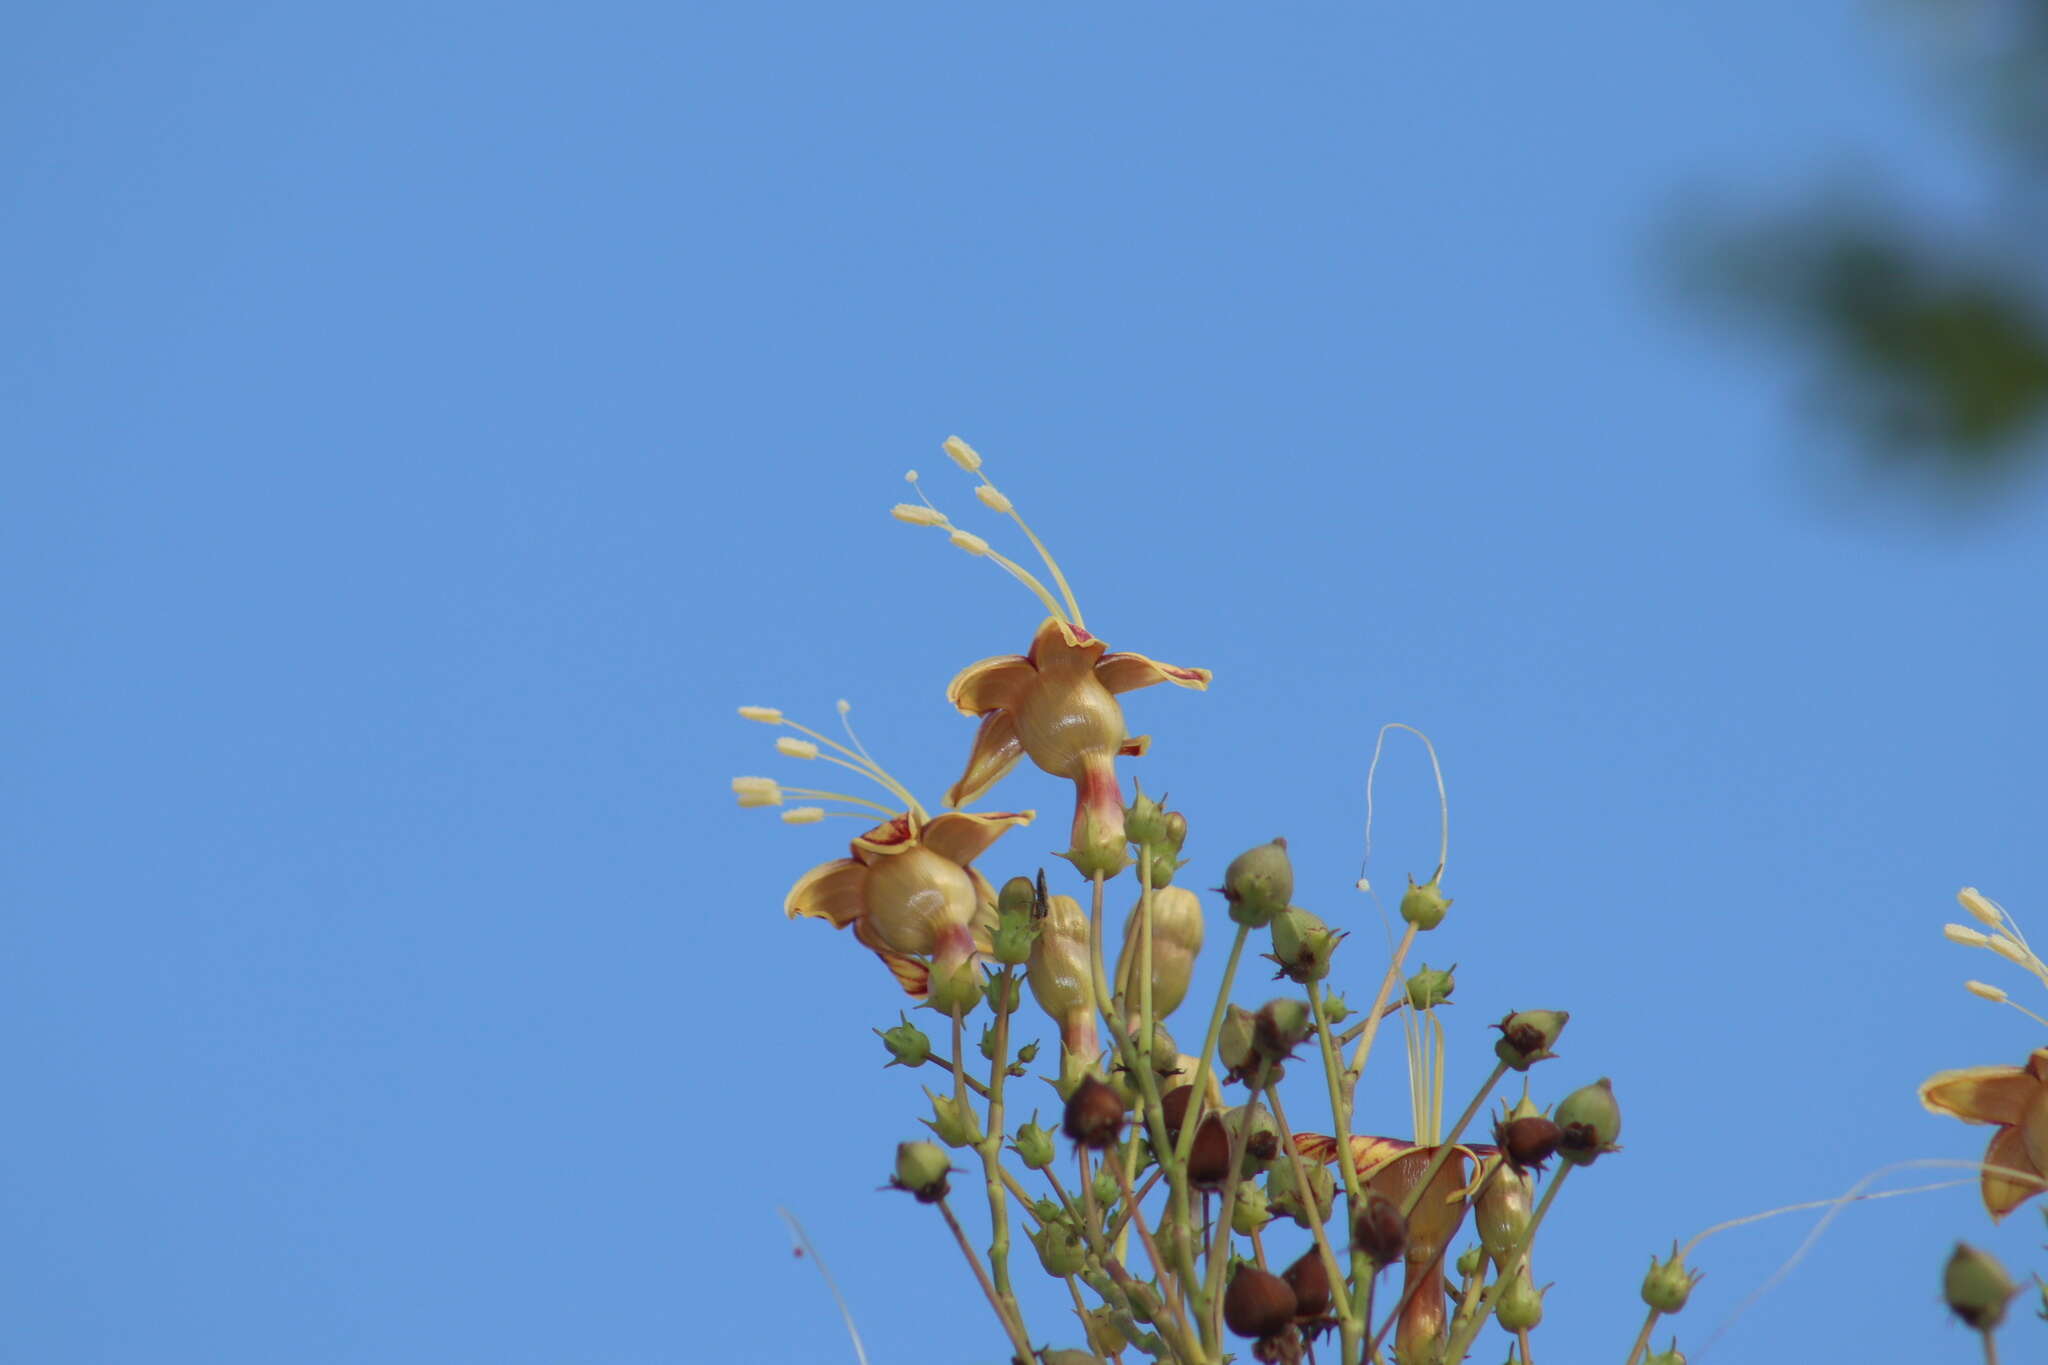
[1095,1114]
[1281,1348]
[1173,1109]
[1209,1157]
[1381,1233]
[1309,1278]
[1258,1303]
[1262,1146]
[1529,1142]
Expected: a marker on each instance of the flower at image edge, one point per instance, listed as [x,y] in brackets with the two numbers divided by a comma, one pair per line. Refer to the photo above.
[2015,1098]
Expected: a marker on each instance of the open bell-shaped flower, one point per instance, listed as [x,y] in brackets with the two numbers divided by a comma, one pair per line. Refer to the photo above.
[910,893]
[2016,1099]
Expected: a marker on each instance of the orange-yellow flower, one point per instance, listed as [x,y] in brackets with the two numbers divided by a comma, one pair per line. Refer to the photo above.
[1058,706]
[2016,1099]
[910,893]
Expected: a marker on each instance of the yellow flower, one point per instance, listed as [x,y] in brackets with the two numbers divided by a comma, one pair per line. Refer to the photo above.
[1058,705]
[2014,1098]
[910,893]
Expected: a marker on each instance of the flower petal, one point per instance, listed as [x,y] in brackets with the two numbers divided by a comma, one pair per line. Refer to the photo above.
[1368,1154]
[912,975]
[829,891]
[2004,1193]
[1980,1094]
[992,684]
[1134,747]
[996,750]
[962,836]
[893,835]
[1056,644]
[1124,672]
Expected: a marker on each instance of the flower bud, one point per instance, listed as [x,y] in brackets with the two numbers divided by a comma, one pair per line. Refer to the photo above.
[1424,906]
[1335,1010]
[1976,1287]
[1249,1211]
[1105,1187]
[957,986]
[1309,1278]
[1521,1303]
[1016,931]
[1257,1303]
[1176,830]
[1059,1247]
[1502,1213]
[906,1043]
[1258,884]
[1026,1054]
[1005,994]
[953,1122]
[1284,1192]
[1094,1115]
[1144,818]
[921,1168]
[1380,1232]
[1159,869]
[1105,1338]
[1019,894]
[1590,1120]
[1234,1044]
[1469,1261]
[1034,1145]
[1429,987]
[1176,941]
[1065,1356]
[1281,1026]
[1060,978]
[1669,1284]
[1302,945]
[1526,1036]
[1673,1356]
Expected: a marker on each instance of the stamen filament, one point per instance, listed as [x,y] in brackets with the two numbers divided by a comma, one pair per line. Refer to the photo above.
[863,765]
[818,795]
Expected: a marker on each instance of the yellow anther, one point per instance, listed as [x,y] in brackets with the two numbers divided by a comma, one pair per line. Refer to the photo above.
[803,815]
[750,800]
[1965,935]
[744,786]
[2011,952]
[970,542]
[1985,991]
[992,497]
[1982,909]
[767,715]
[795,748]
[962,454]
[916,515]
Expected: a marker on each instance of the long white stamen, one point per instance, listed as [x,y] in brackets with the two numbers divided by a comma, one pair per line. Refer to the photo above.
[803,815]
[767,715]
[917,516]
[845,708]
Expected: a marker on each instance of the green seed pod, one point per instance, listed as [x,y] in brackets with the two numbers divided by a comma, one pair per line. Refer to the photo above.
[1016,931]
[1285,1194]
[1674,1356]
[1527,1036]
[921,1168]
[1424,906]
[952,1122]
[1176,942]
[1521,1303]
[1034,1145]
[1060,1249]
[956,988]
[1258,884]
[1668,1284]
[1502,1212]
[1234,1044]
[1159,872]
[1249,1211]
[1976,1287]
[1144,818]
[1429,987]
[906,1043]
[1026,1055]
[1302,945]
[1335,1010]
[1470,1261]
[1281,1026]
[1176,830]
[1106,1188]
[1590,1121]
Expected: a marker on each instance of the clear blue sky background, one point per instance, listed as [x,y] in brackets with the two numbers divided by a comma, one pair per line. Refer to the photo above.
[425,423]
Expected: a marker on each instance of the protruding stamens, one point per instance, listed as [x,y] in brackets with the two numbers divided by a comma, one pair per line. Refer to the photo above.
[803,815]
[795,748]
[993,499]
[767,715]
[1984,990]
[970,542]
[962,454]
[1983,909]
[2011,952]
[916,515]
[753,800]
[1965,935]
[757,791]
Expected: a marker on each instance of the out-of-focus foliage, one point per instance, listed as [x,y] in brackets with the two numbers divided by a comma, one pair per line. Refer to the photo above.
[1931,341]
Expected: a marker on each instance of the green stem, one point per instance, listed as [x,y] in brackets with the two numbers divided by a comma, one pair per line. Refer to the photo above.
[1348,1324]
[1011,1327]
[1461,1339]
[1642,1343]
[1315,1223]
[1374,1015]
[1444,1148]
[1219,1245]
[991,1149]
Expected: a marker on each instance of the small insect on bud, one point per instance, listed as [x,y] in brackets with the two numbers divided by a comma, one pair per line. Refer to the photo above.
[1209,1157]
[1380,1232]
[1669,1284]
[1526,1036]
[1258,1302]
[1521,1303]
[1976,1287]
[1429,987]
[921,1168]
[1590,1121]
[1094,1116]
[906,1043]
[1309,1278]
[1034,1145]
[1424,906]
[1258,884]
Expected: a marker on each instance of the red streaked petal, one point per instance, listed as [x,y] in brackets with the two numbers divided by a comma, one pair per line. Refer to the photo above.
[996,750]
[1124,672]
[1134,746]
[962,836]
[912,975]
[1056,639]
[891,836]
[1980,1094]
[992,684]
[830,891]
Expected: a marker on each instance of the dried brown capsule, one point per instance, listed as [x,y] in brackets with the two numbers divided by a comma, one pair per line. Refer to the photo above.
[1173,1109]
[1309,1278]
[1209,1157]
[1528,1142]
[1381,1233]
[1258,1303]
[1095,1114]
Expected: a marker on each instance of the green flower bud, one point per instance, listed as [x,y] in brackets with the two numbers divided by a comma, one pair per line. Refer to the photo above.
[1527,1036]
[921,1168]
[1258,884]
[1159,871]
[1335,1010]
[1284,1192]
[1470,1261]
[1105,1338]
[1176,941]
[1302,945]
[958,988]
[1249,1211]
[1976,1287]
[1143,1299]
[1034,1145]
[1016,931]
[1668,1284]
[1018,894]
[1060,1249]
[1005,993]
[1281,1026]
[1424,906]
[1521,1303]
[1176,830]
[1234,1044]
[906,1043]
[987,1046]
[1026,1055]
[952,1122]
[1590,1121]
[1502,1212]
[1429,987]
[1144,818]
[1106,1188]
[1674,1356]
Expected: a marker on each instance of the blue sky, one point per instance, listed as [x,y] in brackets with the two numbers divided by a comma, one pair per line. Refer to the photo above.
[429,422]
